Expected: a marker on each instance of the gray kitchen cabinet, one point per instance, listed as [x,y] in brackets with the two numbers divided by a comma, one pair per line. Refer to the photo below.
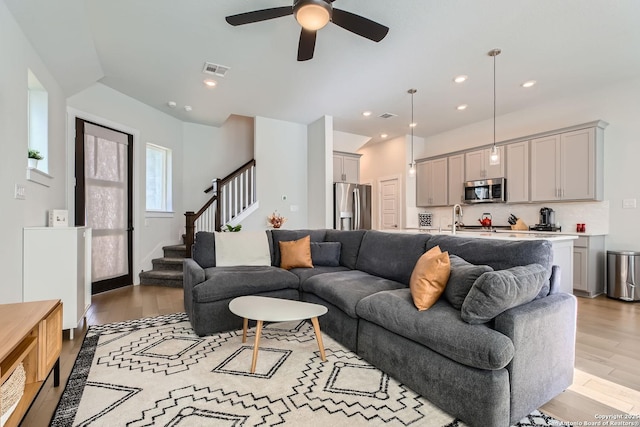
[456,179]
[517,172]
[588,266]
[477,165]
[432,182]
[568,166]
[346,167]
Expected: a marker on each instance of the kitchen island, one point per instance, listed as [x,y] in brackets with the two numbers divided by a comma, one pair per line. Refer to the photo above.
[562,246]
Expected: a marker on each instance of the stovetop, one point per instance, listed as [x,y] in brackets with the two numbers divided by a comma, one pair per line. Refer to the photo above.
[544,227]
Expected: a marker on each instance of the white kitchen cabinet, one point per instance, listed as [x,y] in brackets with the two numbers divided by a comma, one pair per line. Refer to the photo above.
[346,167]
[432,182]
[517,166]
[568,166]
[456,179]
[588,266]
[477,165]
[57,265]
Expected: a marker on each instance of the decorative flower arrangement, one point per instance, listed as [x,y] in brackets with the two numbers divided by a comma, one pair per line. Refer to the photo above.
[276,220]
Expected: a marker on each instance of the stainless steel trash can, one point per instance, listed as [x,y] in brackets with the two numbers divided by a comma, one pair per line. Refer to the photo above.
[623,275]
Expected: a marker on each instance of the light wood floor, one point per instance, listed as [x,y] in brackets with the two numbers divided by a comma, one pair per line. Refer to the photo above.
[607,377]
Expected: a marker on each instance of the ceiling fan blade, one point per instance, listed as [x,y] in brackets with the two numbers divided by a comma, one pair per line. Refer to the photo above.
[307,45]
[359,25]
[259,15]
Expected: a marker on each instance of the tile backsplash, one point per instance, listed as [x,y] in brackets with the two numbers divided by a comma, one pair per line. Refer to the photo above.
[595,215]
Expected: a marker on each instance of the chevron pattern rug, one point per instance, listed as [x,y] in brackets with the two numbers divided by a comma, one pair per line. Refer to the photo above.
[157,372]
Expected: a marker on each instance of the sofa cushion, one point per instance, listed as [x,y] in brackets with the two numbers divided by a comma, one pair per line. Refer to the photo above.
[391,255]
[497,291]
[204,249]
[429,277]
[344,289]
[498,254]
[296,254]
[280,235]
[461,279]
[244,248]
[325,254]
[440,328]
[350,241]
[229,282]
[305,273]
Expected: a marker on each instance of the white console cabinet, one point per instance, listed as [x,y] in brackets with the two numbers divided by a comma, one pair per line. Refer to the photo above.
[57,265]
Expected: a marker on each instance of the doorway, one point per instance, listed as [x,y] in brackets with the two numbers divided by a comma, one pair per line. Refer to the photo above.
[389,203]
[104,201]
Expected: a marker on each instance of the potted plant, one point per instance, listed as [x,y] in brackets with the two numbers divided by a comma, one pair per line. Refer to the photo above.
[34,156]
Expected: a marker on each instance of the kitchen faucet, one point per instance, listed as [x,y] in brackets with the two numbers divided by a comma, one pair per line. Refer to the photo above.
[457,207]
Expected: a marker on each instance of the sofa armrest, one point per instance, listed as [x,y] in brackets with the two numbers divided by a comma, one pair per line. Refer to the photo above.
[193,274]
[544,335]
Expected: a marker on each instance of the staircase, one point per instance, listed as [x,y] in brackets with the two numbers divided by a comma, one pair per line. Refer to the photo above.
[234,198]
[167,271]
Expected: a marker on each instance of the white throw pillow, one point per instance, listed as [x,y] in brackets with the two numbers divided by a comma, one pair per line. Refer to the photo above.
[242,248]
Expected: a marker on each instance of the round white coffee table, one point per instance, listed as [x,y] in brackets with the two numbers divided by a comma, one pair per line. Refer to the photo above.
[265,309]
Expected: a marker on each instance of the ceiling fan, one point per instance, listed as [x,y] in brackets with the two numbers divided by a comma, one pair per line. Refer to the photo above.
[313,15]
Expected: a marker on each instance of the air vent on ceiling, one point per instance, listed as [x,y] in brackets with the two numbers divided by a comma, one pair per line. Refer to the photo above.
[215,69]
[387,115]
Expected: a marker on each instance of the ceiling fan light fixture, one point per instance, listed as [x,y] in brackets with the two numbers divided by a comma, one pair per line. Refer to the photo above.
[312,15]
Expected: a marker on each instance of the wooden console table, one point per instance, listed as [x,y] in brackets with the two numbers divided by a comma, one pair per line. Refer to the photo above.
[31,333]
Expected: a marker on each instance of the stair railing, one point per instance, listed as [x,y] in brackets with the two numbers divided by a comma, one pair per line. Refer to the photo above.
[231,195]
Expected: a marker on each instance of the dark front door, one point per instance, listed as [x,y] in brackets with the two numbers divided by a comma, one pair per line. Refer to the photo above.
[104,201]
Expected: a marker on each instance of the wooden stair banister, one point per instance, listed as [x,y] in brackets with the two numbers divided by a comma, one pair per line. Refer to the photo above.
[233,193]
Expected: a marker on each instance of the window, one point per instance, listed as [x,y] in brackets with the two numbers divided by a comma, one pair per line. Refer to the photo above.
[38,116]
[158,179]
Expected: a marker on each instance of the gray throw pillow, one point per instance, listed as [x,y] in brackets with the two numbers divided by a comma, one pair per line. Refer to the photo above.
[497,291]
[462,277]
[325,253]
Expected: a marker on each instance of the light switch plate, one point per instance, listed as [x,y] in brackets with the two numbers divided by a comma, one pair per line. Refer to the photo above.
[628,203]
[20,192]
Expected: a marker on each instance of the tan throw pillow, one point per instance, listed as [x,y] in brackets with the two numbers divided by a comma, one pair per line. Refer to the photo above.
[296,253]
[429,278]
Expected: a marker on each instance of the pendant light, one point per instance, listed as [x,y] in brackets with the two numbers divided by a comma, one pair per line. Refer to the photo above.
[494,156]
[412,165]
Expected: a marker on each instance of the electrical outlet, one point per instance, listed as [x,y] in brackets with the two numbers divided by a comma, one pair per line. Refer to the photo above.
[20,192]
[628,203]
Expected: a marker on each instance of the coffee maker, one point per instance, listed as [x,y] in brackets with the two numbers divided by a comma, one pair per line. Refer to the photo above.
[547,221]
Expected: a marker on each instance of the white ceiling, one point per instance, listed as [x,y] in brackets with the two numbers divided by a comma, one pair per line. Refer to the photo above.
[154,51]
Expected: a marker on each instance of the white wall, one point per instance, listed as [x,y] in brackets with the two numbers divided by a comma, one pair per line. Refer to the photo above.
[281,170]
[211,153]
[348,142]
[150,125]
[18,56]
[618,104]
[320,173]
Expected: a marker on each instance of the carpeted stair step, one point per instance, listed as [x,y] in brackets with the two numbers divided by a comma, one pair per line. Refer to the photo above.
[169,278]
[163,264]
[175,251]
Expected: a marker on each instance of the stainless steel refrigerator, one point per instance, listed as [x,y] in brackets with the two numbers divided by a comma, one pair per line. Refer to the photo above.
[351,206]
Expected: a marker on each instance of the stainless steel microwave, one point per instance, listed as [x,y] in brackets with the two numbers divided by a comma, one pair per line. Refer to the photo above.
[486,191]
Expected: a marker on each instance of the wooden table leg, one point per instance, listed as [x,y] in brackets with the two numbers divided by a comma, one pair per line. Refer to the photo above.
[255,346]
[245,325]
[316,328]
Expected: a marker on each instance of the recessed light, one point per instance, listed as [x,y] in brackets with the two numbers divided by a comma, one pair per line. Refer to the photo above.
[412,125]
[187,108]
[172,104]
[210,83]
[366,113]
[528,84]
[461,107]
[460,79]
[383,135]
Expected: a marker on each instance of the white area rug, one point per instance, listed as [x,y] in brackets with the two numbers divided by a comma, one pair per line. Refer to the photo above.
[157,372]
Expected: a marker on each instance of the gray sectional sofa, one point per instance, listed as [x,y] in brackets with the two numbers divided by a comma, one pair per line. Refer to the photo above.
[487,372]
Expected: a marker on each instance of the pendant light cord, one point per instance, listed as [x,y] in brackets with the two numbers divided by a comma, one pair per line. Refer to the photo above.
[494,101]
[412,125]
